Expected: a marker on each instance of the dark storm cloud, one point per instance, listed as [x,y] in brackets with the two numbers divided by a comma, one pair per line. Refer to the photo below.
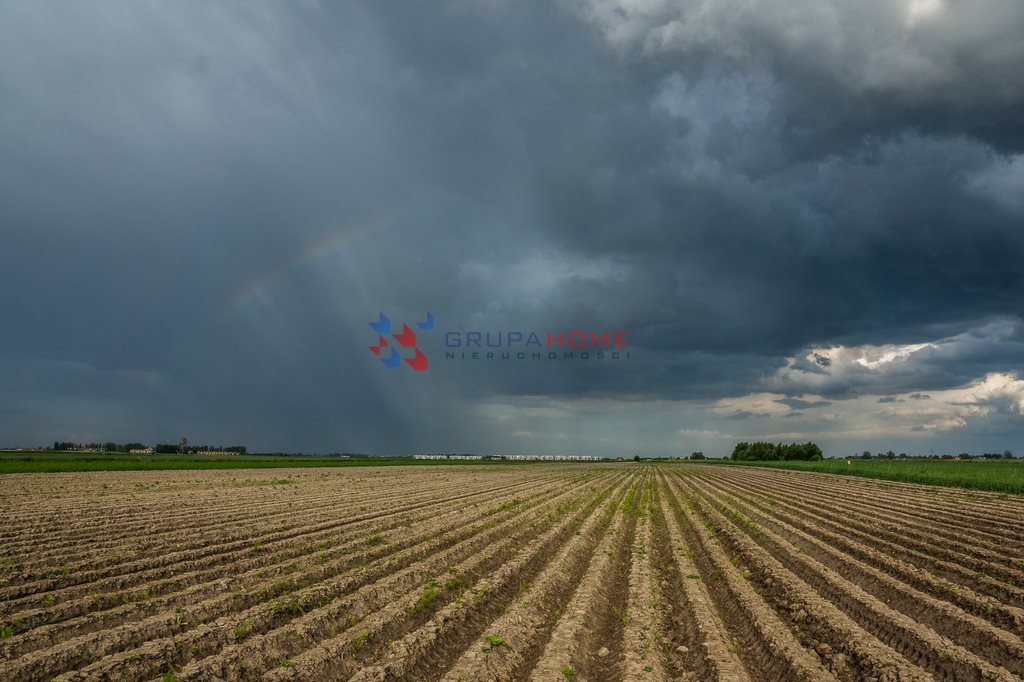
[798,404]
[852,69]
[203,206]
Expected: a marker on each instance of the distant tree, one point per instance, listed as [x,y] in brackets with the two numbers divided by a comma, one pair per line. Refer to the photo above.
[753,452]
[636,458]
[812,452]
[866,454]
[698,455]
[1007,454]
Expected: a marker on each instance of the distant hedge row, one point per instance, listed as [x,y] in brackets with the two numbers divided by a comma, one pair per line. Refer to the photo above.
[763,451]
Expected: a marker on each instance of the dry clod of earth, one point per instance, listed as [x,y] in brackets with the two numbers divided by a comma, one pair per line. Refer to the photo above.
[667,572]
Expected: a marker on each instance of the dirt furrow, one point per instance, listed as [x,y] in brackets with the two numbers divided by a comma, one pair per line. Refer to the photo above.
[466,557]
[898,506]
[949,506]
[516,639]
[956,567]
[642,656]
[697,643]
[782,566]
[605,628]
[589,599]
[899,578]
[362,544]
[90,527]
[201,625]
[316,537]
[931,537]
[765,644]
[429,649]
[977,636]
[132,572]
[214,527]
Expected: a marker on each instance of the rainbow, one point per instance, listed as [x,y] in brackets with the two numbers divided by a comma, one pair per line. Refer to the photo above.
[318,251]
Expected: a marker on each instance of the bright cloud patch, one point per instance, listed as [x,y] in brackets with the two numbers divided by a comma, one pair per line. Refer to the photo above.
[889,369]
[915,46]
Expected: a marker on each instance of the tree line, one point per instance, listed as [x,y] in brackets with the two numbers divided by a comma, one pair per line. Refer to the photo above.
[764,451]
[163,448]
[1005,454]
[64,445]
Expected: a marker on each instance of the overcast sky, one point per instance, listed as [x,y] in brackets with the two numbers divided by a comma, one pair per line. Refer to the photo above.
[808,215]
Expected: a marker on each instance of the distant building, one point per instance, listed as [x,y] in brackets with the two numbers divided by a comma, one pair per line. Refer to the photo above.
[517,458]
[553,458]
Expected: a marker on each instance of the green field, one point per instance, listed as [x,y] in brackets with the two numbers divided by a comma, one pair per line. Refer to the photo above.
[14,462]
[1001,475]
[997,475]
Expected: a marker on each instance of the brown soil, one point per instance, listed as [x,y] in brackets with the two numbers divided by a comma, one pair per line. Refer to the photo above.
[607,572]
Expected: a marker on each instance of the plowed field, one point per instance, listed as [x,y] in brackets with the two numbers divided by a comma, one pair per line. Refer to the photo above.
[582,572]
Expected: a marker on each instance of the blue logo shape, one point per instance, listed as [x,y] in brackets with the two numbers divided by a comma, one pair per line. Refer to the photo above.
[429,324]
[394,361]
[382,326]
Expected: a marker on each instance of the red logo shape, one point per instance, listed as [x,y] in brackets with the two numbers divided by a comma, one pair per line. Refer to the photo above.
[418,363]
[407,338]
[376,349]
